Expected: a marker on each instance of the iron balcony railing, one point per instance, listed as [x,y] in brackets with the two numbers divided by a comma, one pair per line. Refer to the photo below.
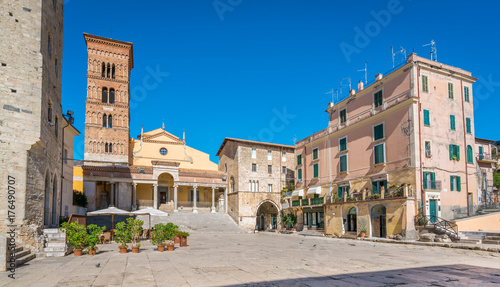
[317,200]
[305,201]
[296,203]
[432,185]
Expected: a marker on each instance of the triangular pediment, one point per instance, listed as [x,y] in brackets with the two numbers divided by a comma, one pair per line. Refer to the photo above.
[160,135]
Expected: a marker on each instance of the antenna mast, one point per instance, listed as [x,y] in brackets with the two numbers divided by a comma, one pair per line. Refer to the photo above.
[434,53]
[348,80]
[402,52]
[366,71]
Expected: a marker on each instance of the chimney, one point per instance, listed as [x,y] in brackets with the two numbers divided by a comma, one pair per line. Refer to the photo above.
[330,104]
[352,92]
[378,77]
[360,85]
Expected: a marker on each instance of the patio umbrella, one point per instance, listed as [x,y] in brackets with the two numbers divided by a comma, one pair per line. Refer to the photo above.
[110,211]
[149,211]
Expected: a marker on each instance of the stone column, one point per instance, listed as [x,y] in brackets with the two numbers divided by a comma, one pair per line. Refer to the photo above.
[112,194]
[155,196]
[134,196]
[225,199]
[175,198]
[195,209]
[213,199]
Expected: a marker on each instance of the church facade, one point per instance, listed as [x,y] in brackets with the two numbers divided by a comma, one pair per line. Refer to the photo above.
[155,170]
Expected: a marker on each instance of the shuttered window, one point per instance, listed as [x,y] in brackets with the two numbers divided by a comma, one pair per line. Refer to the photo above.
[299,174]
[450,90]
[466,94]
[470,156]
[425,84]
[299,159]
[452,122]
[343,163]
[343,144]
[427,120]
[378,99]
[454,152]
[468,124]
[378,153]
[316,170]
[378,132]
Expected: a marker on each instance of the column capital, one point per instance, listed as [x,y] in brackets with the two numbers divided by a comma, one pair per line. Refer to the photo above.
[134,184]
[195,186]
[155,184]
[176,185]
[214,187]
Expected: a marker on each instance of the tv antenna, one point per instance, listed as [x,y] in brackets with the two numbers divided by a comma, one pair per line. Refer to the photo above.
[334,92]
[402,52]
[434,53]
[345,82]
[366,71]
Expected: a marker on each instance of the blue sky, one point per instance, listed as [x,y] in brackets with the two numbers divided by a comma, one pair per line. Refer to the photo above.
[260,69]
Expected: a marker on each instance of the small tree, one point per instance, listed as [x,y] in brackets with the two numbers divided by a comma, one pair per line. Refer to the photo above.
[76,234]
[496,180]
[95,233]
[135,228]
[122,234]
[171,230]
[158,236]
[79,199]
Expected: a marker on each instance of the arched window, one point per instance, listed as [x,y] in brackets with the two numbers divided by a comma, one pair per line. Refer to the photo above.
[56,127]
[110,121]
[49,113]
[103,70]
[104,95]
[104,120]
[111,148]
[108,74]
[470,157]
[111,96]
[106,147]
[113,71]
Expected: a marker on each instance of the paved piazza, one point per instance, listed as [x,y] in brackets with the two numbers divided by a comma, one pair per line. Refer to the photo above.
[267,259]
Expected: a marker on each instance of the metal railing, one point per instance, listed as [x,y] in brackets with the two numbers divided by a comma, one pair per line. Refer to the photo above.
[437,223]
[317,200]
[296,203]
[484,156]
[305,202]
[432,185]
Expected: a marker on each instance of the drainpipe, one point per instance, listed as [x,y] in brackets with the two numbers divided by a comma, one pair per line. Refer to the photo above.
[465,149]
[422,193]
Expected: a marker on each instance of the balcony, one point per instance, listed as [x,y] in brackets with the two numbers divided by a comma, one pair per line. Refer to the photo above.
[485,158]
[296,203]
[432,185]
[304,202]
[317,200]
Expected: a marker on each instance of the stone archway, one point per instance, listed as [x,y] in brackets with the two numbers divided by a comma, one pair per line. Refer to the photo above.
[267,216]
[378,221]
[165,188]
[352,220]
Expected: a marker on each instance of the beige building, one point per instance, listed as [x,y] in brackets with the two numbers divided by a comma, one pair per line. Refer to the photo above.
[486,165]
[257,172]
[67,207]
[30,119]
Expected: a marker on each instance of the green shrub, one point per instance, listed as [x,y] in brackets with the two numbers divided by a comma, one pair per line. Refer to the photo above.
[135,228]
[76,234]
[122,234]
[94,236]
[79,199]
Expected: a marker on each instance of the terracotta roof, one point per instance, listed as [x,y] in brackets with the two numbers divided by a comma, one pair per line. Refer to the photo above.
[201,171]
[251,142]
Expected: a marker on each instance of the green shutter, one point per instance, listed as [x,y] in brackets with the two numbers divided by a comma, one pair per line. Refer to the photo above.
[451,152]
[433,180]
[481,152]
[470,158]
[379,132]
[451,182]
[466,93]
[425,179]
[469,129]
[425,84]
[427,121]
[315,167]
[452,122]
[379,154]
[343,163]
[450,90]
[459,188]
[299,173]
[374,187]
[458,152]
[343,144]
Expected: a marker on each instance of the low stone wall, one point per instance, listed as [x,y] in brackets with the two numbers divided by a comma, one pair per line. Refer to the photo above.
[487,222]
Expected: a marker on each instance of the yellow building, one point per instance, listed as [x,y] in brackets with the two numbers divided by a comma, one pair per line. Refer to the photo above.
[77,178]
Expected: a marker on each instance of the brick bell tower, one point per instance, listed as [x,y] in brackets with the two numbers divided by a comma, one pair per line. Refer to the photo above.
[107,132]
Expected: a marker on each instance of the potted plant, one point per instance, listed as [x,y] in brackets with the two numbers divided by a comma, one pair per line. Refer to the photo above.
[135,228]
[184,236]
[171,230]
[94,237]
[177,238]
[362,227]
[158,236]
[122,236]
[76,235]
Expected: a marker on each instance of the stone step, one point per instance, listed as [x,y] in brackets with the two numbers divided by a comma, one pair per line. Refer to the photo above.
[25,259]
[55,249]
[491,241]
[22,253]
[52,230]
[56,235]
[56,244]
[492,237]
[18,249]
[470,241]
[55,254]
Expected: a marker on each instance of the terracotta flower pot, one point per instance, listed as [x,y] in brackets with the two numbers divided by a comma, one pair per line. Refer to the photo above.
[362,234]
[92,252]
[135,249]
[123,249]
[177,239]
[170,247]
[183,241]
[161,248]
[77,252]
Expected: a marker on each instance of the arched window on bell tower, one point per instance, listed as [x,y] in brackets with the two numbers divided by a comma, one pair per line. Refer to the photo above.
[103,70]
[104,95]
[110,121]
[108,73]
[110,148]
[113,70]
[104,120]
[111,96]
[106,147]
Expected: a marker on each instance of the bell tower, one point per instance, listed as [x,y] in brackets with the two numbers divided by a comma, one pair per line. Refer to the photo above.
[107,133]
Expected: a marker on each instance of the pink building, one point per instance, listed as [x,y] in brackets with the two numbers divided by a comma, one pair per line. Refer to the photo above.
[486,165]
[407,136]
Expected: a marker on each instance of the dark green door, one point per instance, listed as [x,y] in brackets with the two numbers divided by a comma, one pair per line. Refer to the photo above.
[433,210]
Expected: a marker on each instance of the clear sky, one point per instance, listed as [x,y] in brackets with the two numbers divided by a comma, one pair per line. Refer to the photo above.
[256,69]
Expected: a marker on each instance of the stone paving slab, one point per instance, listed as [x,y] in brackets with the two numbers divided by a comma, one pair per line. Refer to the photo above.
[267,259]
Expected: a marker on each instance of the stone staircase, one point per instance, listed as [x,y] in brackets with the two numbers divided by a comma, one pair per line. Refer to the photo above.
[471,237]
[22,256]
[55,245]
[492,238]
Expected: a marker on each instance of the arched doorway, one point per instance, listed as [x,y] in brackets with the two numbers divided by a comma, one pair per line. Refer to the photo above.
[378,221]
[352,220]
[267,216]
[46,206]
[165,188]
[54,202]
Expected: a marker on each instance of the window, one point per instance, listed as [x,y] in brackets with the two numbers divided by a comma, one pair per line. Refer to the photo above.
[108,71]
[49,113]
[269,169]
[379,153]
[455,184]
[343,116]
[428,152]
[450,90]
[163,151]
[299,159]
[270,188]
[299,175]
[470,156]
[283,169]
[254,153]
[343,144]
[56,127]
[315,170]
[427,120]
[113,71]
[377,186]
[343,190]
[111,96]
[110,148]
[104,95]
[452,122]
[269,155]
[104,121]
[225,167]
[56,67]
[254,167]
[283,156]
[378,132]
[103,69]
[49,45]
[378,98]
[468,124]
[343,163]
[106,148]
[315,153]
[425,84]
[66,156]
[429,180]
[466,94]
[110,121]
[455,152]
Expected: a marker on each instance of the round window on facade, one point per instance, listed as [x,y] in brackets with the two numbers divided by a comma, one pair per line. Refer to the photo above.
[163,151]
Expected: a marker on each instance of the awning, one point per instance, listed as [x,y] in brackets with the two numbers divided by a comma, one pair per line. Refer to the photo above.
[314,190]
[298,192]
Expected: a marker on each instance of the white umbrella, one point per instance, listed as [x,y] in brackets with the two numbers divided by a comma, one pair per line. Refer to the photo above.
[110,211]
[149,211]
